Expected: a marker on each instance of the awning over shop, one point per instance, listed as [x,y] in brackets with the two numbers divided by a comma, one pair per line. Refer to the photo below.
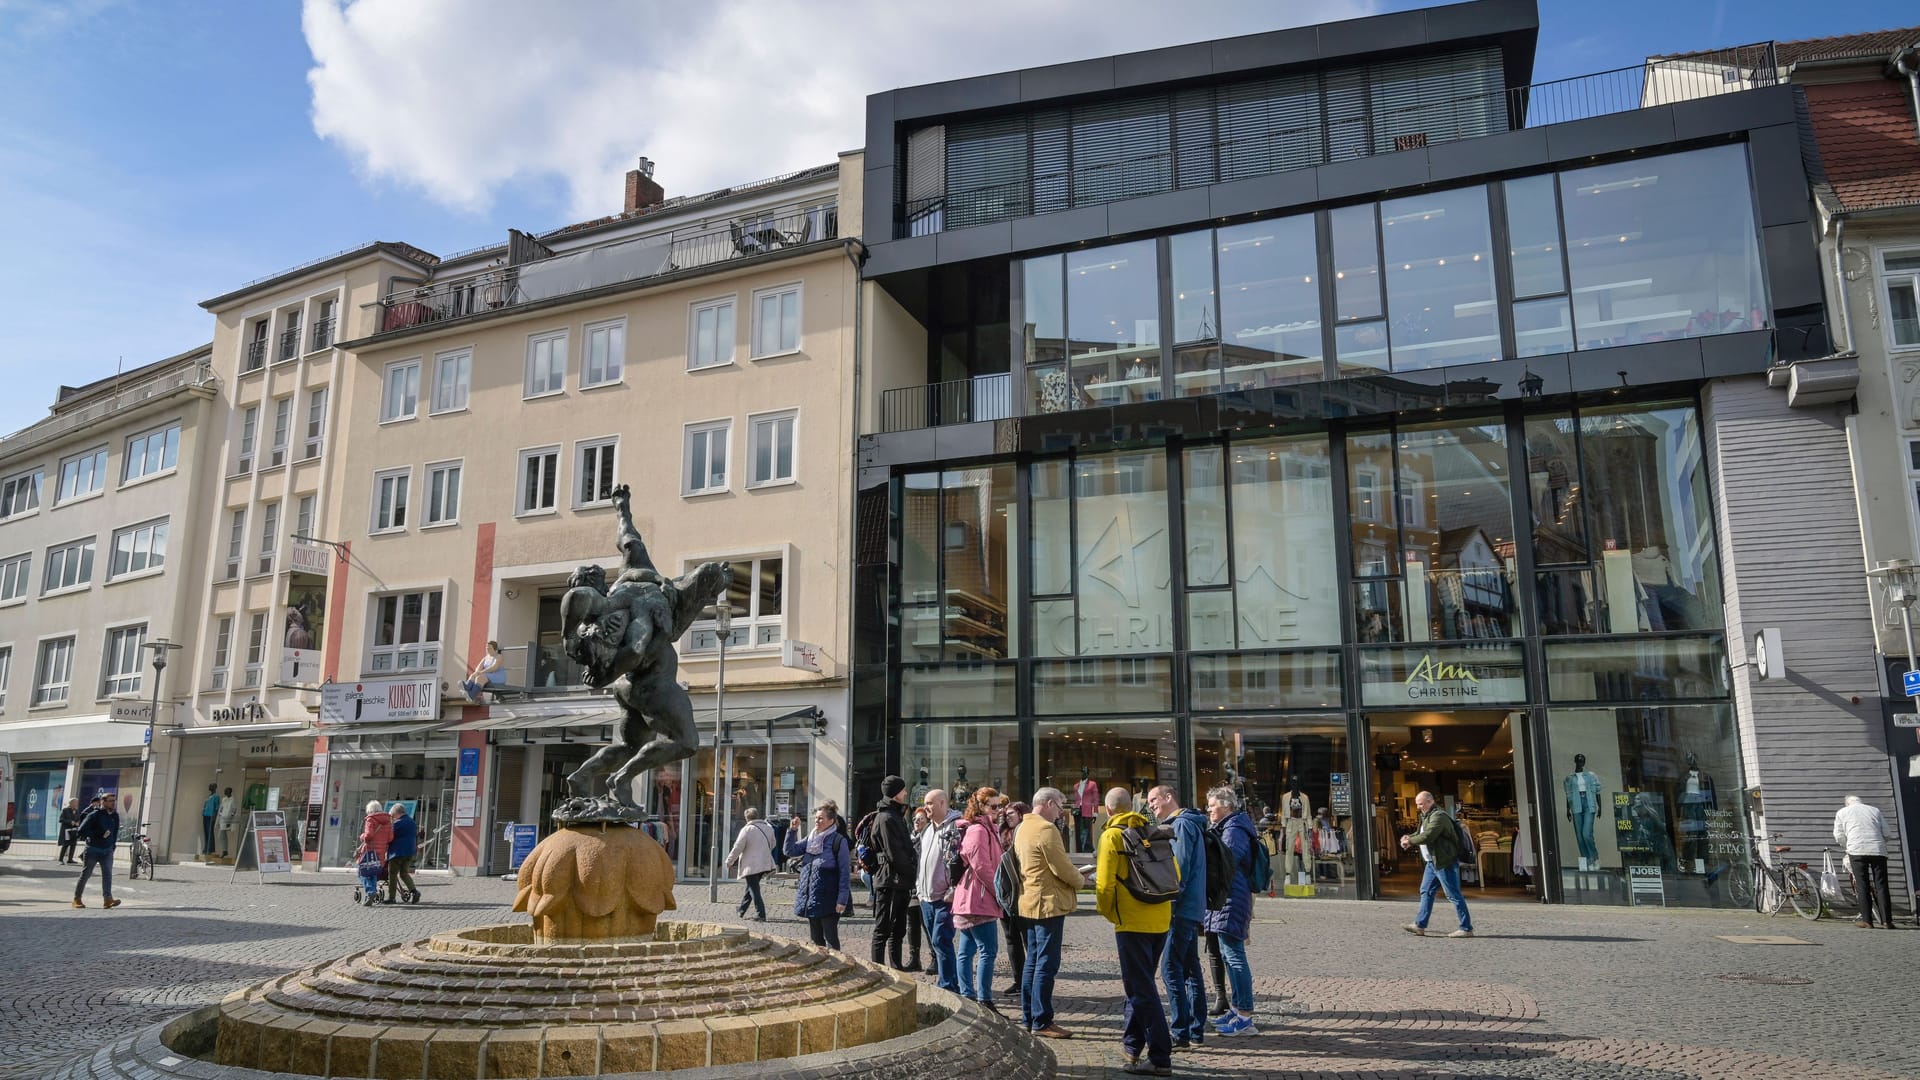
[241,731]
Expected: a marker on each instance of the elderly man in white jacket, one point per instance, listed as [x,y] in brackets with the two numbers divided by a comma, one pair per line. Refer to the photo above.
[1864,832]
[752,858]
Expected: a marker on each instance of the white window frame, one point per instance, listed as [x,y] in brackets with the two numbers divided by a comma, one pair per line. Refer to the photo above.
[73,554]
[722,350]
[461,361]
[724,428]
[116,679]
[52,693]
[402,655]
[20,493]
[550,479]
[601,450]
[269,536]
[1889,281]
[303,516]
[282,431]
[396,506]
[249,439]
[758,425]
[430,517]
[554,377]
[222,652]
[158,532]
[400,380]
[286,347]
[16,578]
[327,308]
[169,436]
[750,631]
[772,292]
[6,673]
[614,365]
[236,543]
[86,466]
[256,667]
[316,423]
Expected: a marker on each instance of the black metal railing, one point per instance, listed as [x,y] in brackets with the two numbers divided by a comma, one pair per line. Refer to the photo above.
[289,343]
[256,355]
[1369,132]
[959,401]
[751,234]
[322,334]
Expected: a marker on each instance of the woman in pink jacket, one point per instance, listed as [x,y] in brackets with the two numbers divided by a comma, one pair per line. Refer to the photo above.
[976,913]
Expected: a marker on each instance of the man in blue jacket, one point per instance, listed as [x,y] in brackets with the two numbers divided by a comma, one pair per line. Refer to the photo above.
[1181,967]
[99,831]
[406,834]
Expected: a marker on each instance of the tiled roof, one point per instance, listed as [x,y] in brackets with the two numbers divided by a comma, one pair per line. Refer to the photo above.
[1869,148]
[1873,43]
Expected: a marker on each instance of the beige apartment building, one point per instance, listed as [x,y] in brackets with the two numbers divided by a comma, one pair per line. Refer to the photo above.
[698,350]
[97,537]
[256,622]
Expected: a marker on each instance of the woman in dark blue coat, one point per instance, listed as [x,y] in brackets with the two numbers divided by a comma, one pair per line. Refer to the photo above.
[825,889]
[1226,926]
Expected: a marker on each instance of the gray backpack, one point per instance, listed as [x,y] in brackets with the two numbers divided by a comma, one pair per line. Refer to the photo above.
[1152,876]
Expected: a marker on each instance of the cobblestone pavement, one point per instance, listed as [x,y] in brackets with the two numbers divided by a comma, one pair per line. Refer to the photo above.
[1562,992]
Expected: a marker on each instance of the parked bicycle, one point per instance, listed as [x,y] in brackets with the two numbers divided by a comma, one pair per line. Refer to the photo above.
[1777,883]
[139,851]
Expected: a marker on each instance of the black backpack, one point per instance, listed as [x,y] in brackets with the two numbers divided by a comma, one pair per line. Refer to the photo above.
[864,849]
[1468,849]
[1219,869]
[1152,876]
[1007,882]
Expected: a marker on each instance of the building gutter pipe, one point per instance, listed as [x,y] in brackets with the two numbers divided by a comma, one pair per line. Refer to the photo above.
[1845,343]
[856,253]
[1907,62]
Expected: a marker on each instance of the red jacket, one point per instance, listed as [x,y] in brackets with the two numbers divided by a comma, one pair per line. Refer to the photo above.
[377,834]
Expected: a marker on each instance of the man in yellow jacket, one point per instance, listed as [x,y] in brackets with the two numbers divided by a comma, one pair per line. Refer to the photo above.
[1139,935]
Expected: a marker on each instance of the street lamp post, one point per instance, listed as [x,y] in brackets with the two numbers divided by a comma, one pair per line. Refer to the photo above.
[161,647]
[722,626]
[1900,583]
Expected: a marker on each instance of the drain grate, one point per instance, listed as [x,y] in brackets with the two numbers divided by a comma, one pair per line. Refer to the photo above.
[1766,980]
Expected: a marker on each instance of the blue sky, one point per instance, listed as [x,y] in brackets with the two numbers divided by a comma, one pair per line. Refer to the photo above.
[154,154]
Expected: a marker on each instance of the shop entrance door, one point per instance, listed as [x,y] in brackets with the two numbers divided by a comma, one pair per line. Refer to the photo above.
[771,777]
[1474,763]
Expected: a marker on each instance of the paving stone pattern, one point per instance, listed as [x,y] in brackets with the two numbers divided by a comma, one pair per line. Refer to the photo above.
[1561,992]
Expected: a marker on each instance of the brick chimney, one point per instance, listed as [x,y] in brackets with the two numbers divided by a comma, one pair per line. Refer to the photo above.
[642,192]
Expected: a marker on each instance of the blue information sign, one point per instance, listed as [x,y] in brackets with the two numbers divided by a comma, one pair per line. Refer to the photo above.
[470,761]
[1910,682]
[524,837]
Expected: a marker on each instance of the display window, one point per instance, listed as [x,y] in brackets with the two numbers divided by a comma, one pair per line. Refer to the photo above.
[39,791]
[1086,759]
[1649,805]
[957,758]
[1294,776]
[423,780]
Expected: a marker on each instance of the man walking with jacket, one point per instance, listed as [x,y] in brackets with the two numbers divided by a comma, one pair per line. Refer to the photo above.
[1139,936]
[1186,987]
[1438,839]
[99,830]
[893,881]
[1860,827]
[935,888]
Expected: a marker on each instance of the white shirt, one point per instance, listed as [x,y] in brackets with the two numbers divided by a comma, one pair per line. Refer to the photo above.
[1862,829]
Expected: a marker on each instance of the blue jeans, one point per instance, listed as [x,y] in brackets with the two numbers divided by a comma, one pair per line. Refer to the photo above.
[1233,953]
[937,920]
[979,948]
[1583,835]
[91,857]
[1436,879]
[1146,1022]
[1185,987]
[1043,963]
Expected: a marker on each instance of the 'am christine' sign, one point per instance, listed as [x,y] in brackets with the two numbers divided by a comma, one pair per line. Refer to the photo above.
[379,700]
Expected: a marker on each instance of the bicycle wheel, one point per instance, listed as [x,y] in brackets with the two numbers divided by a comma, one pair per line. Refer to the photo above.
[1803,892]
[1739,887]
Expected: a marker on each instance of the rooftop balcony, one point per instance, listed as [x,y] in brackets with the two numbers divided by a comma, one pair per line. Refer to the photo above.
[659,255]
[999,169]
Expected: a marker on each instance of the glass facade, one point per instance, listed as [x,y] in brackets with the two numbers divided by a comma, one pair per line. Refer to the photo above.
[1654,249]
[1248,609]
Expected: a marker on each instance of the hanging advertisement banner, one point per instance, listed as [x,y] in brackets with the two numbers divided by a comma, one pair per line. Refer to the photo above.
[304,629]
[411,697]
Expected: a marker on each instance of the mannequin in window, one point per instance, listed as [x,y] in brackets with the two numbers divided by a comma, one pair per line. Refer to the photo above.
[1582,790]
[1086,804]
[1296,829]
[961,787]
[920,789]
[1695,796]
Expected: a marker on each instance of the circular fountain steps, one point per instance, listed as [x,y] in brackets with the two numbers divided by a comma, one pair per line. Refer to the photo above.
[489,1001]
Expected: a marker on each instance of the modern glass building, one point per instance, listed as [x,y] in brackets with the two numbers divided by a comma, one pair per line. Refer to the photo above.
[1330,415]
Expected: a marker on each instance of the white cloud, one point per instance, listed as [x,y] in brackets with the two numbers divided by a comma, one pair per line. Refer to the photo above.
[459,98]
